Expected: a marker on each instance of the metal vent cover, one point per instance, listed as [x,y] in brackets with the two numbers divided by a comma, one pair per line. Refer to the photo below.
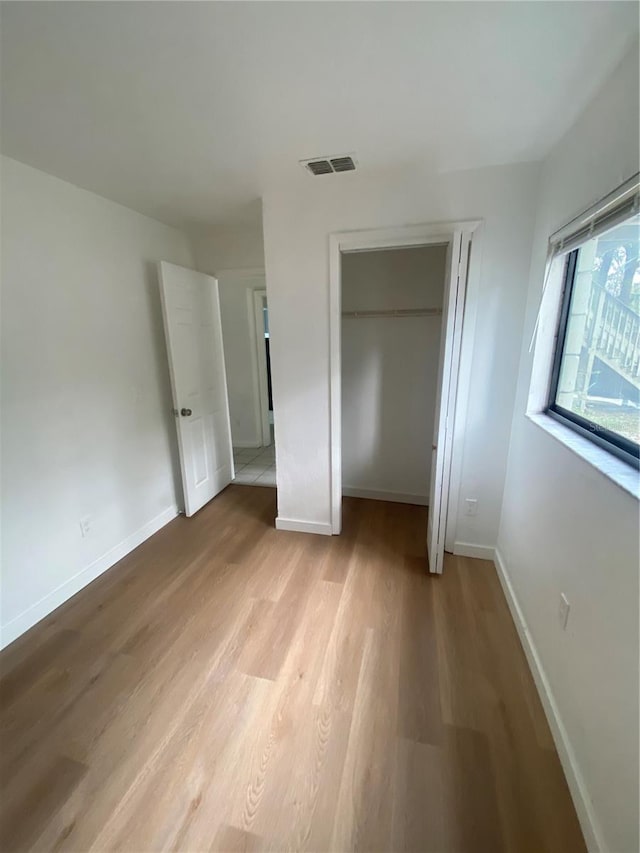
[343,164]
[329,165]
[320,167]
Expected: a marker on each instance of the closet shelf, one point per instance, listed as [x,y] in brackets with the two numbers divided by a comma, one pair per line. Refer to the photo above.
[393,312]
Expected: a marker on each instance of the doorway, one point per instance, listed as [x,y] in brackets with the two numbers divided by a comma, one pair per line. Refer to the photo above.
[244,312]
[263,358]
[391,319]
[456,238]
[256,466]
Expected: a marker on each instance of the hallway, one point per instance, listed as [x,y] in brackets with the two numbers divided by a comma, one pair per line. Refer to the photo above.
[255,466]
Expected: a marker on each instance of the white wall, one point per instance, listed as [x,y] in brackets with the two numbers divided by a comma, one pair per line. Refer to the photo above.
[87,429]
[297,223]
[567,528]
[228,247]
[227,251]
[390,371]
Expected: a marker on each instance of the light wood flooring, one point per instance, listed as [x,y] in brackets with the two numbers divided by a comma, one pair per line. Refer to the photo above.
[231,687]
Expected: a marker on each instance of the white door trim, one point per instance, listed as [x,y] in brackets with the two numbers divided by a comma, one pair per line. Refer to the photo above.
[367,240]
[254,279]
[261,360]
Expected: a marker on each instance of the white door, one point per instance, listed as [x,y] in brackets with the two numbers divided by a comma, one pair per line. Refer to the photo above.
[191,311]
[452,316]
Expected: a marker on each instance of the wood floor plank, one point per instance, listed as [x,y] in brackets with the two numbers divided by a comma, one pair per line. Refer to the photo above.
[272,639]
[35,668]
[419,705]
[363,818]
[460,672]
[231,687]
[342,547]
[230,839]
[471,816]
[299,739]
[418,807]
[176,802]
[22,817]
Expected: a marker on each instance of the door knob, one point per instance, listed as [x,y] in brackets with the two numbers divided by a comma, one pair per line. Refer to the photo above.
[186,413]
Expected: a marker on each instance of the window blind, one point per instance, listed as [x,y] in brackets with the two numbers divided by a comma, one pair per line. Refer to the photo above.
[614,208]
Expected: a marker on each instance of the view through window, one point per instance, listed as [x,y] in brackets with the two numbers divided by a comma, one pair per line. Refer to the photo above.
[596,378]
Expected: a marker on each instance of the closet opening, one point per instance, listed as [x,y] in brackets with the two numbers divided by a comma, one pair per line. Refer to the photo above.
[390,340]
[397,300]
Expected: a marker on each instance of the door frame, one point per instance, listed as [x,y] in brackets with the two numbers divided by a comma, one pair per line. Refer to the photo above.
[253,278]
[261,360]
[438,233]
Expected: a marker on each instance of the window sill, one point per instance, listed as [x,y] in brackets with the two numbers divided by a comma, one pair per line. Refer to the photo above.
[621,473]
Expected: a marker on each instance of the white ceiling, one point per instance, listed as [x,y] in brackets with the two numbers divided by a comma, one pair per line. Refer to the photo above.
[189,111]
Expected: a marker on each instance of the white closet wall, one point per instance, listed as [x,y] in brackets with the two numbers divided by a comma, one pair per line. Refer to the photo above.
[389,371]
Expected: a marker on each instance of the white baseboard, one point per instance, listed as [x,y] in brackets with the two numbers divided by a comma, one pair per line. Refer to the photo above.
[468,549]
[46,605]
[394,497]
[294,524]
[248,445]
[584,808]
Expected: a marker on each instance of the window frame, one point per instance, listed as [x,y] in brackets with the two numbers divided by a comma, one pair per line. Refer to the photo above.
[616,444]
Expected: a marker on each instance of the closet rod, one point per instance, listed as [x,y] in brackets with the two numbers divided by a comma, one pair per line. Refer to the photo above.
[394,312]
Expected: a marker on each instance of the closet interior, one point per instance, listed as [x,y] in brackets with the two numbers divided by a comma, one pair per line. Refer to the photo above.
[391,329]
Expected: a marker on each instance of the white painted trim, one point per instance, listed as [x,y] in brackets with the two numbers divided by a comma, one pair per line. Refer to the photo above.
[464,384]
[354,241]
[298,526]
[232,464]
[261,362]
[255,372]
[394,497]
[450,348]
[47,604]
[335,384]
[249,445]
[577,787]
[468,549]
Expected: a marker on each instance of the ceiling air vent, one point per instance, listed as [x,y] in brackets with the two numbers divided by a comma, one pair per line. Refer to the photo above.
[320,167]
[328,165]
[343,164]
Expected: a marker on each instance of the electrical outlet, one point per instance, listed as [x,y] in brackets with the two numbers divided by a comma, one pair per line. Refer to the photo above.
[85,525]
[563,611]
[471,506]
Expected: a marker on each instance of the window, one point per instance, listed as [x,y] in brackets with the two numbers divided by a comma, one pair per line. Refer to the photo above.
[595,381]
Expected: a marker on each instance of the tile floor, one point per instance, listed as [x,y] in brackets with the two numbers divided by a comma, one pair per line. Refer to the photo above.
[255,466]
